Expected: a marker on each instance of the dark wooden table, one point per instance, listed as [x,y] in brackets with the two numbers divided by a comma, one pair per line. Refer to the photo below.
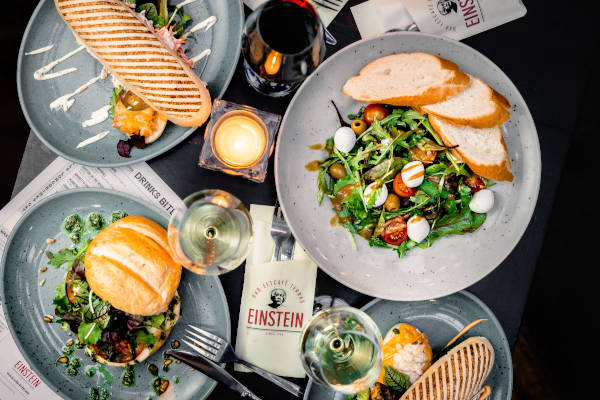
[538,52]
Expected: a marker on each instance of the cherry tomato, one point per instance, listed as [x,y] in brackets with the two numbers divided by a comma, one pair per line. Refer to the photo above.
[400,187]
[394,231]
[374,110]
[425,156]
[475,183]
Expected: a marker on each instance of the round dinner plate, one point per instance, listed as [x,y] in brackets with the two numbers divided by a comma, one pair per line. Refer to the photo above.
[25,301]
[441,320]
[452,263]
[63,131]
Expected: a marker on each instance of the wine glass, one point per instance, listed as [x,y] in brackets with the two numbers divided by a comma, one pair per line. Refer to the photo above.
[341,348]
[211,233]
[283,41]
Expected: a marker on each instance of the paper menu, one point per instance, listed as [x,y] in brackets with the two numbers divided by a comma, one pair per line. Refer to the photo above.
[17,379]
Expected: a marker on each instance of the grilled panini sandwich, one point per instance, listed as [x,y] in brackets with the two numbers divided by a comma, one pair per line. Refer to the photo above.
[458,375]
[129,48]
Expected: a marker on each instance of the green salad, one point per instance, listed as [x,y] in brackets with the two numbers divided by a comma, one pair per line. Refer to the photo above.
[393,181]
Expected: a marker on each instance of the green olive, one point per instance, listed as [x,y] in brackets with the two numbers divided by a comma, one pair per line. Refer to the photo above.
[131,101]
[337,171]
[358,126]
[392,202]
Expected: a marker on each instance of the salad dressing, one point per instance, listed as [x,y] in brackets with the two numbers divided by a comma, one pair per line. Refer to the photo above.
[65,102]
[93,139]
[98,116]
[40,50]
[200,56]
[313,165]
[206,24]
[317,146]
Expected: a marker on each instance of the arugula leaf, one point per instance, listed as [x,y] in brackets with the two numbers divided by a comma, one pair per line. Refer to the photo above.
[377,242]
[60,300]
[358,115]
[347,180]
[460,223]
[89,333]
[364,395]
[61,257]
[143,337]
[157,320]
[395,379]
[113,101]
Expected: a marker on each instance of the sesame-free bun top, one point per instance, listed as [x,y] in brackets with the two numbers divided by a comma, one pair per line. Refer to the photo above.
[129,265]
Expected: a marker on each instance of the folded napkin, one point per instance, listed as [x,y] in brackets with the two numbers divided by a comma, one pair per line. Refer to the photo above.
[451,18]
[325,14]
[277,302]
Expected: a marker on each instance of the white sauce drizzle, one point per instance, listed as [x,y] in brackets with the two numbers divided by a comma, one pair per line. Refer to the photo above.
[200,56]
[206,24]
[42,73]
[184,3]
[98,116]
[65,102]
[38,51]
[93,139]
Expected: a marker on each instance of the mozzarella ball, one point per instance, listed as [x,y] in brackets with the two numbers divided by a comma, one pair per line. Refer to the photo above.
[482,201]
[413,174]
[344,139]
[417,228]
[382,195]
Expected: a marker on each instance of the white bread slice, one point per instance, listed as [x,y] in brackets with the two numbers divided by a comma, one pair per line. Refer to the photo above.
[406,79]
[477,106]
[483,150]
[458,375]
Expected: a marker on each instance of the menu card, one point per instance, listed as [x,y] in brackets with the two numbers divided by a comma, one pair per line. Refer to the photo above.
[17,379]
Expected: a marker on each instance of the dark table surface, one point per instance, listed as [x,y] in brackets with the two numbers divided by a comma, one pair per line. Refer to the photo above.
[536,52]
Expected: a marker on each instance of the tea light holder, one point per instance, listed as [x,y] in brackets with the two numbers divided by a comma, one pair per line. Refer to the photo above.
[239,140]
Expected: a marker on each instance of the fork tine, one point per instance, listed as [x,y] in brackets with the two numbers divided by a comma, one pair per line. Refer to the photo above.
[208,334]
[199,350]
[211,346]
[203,346]
[324,5]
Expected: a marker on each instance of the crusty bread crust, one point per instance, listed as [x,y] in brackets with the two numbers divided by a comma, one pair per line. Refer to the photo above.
[158,76]
[453,85]
[498,172]
[458,375]
[129,265]
[497,116]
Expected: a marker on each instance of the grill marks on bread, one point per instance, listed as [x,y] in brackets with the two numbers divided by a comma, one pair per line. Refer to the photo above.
[113,33]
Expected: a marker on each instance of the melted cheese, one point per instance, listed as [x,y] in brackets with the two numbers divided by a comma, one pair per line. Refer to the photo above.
[143,122]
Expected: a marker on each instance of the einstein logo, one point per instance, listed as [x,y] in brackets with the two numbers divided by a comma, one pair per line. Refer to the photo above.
[445,7]
[277,298]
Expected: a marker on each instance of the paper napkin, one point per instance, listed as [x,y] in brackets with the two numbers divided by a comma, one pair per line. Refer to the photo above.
[277,302]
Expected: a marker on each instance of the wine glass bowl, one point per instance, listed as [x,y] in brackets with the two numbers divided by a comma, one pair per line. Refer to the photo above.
[211,233]
[341,348]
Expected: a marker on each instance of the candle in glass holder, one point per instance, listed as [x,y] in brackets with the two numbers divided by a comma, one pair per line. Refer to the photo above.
[239,139]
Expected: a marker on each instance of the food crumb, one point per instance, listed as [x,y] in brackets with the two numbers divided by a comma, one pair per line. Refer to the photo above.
[50,240]
[42,282]
[41,251]
[42,270]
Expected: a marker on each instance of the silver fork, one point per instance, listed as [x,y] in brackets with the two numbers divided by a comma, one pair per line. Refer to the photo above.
[280,232]
[220,351]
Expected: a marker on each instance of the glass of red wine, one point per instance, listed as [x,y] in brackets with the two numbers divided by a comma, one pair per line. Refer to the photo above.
[282,43]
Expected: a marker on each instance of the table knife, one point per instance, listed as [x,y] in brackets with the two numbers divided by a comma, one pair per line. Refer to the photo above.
[214,371]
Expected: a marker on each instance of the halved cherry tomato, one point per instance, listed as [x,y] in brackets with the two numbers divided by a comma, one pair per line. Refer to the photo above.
[475,183]
[372,111]
[394,231]
[400,187]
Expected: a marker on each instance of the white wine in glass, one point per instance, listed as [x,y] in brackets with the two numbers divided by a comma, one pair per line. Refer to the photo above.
[341,348]
[212,233]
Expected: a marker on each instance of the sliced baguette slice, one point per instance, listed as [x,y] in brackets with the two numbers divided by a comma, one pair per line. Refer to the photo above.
[458,375]
[406,79]
[483,150]
[478,106]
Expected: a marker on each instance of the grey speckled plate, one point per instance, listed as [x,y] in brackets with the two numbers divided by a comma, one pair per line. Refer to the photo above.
[452,263]
[441,320]
[62,131]
[25,302]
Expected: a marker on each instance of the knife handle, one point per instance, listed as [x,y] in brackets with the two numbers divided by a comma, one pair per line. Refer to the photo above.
[279,381]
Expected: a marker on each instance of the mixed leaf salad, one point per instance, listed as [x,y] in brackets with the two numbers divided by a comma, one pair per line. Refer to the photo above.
[395,383]
[106,331]
[392,181]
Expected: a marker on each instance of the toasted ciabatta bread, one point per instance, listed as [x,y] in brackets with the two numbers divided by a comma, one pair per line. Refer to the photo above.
[407,79]
[478,106]
[458,375]
[129,265]
[115,35]
[483,150]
